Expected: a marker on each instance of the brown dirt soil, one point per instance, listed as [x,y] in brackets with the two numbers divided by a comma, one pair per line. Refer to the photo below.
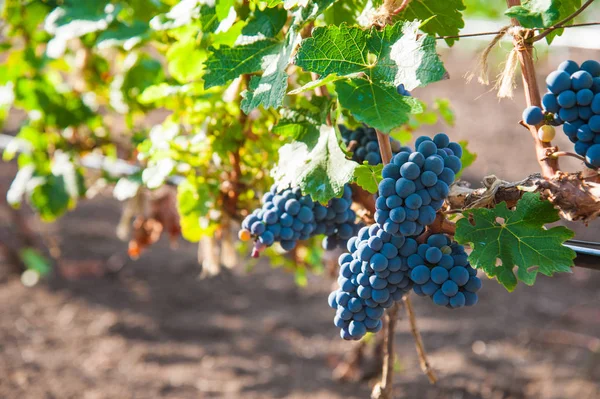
[155,330]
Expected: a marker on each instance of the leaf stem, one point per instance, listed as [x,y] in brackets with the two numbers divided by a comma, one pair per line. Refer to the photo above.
[561,24]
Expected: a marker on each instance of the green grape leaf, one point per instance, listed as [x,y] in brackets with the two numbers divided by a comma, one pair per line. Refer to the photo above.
[181,14]
[397,54]
[269,89]
[346,11]
[35,261]
[186,60]
[193,204]
[368,176]
[536,13]
[467,158]
[267,23]
[76,19]
[222,8]
[316,163]
[566,8]
[442,106]
[303,120]
[376,104]
[516,239]
[227,63]
[447,18]
[50,197]
[123,35]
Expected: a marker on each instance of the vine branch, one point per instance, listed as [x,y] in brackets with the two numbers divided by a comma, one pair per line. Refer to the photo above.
[384,388]
[561,24]
[532,95]
[424,363]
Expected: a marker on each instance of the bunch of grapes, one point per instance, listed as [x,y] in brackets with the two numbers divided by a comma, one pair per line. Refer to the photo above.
[415,185]
[336,220]
[573,100]
[286,216]
[440,269]
[366,147]
[373,274]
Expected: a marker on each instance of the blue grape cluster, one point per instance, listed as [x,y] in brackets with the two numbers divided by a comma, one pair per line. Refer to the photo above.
[440,269]
[286,216]
[336,220]
[373,274]
[367,146]
[415,185]
[574,100]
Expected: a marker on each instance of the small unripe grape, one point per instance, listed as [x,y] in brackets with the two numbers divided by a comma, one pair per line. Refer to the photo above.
[546,133]
[244,235]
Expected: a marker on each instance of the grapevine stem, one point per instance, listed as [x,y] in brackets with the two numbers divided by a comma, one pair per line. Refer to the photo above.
[384,389]
[532,95]
[560,24]
[425,366]
[565,154]
[384,147]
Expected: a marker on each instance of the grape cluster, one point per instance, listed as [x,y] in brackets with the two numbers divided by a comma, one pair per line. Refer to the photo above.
[574,100]
[286,216]
[415,185]
[440,269]
[373,274]
[367,146]
[336,220]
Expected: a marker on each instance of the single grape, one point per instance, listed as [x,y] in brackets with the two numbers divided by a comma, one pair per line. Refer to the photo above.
[546,133]
[550,103]
[592,67]
[567,99]
[558,81]
[592,155]
[568,66]
[581,80]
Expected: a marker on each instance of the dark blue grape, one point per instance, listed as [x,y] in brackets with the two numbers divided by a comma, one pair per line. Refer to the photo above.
[566,99]
[581,80]
[550,103]
[568,66]
[558,81]
[533,115]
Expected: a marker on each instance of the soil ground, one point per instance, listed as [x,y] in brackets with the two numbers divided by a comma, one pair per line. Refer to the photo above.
[155,330]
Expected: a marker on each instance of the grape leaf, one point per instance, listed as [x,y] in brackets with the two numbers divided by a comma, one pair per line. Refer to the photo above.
[447,21]
[269,89]
[566,8]
[368,176]
[227,63]
[376,104]
[397,54]
[186,60]
[193,204]
[181,14]
[516,238]
[303,120]
[467,158]
[222,8]
[536,13]
[267,23]
[123,35]
[316,163]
